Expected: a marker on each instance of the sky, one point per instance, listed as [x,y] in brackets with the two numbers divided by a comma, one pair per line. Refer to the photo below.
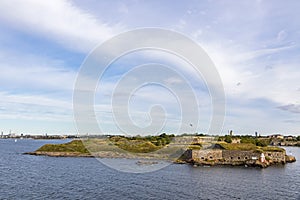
[253,44]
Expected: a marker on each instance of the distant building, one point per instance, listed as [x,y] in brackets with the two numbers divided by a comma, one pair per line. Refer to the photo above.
[290,137]
[236,140]
[277,136]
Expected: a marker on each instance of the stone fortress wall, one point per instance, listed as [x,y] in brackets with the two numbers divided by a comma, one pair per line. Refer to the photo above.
[230,156]
[205,155]
[276,156]
[238,155]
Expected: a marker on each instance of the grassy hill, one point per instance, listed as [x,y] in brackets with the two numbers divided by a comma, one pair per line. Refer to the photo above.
[73,146]
[248,147]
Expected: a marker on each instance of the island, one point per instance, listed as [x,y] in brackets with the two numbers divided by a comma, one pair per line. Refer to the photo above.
[190,149]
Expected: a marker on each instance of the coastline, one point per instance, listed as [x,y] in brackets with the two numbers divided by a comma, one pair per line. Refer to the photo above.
[111,155]
[218,156]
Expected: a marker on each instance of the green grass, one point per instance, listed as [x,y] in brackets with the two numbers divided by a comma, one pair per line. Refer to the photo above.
[238,146]
[73,146]
[120,145]
[141,144]
[136,146]
[275,149]
[250,146]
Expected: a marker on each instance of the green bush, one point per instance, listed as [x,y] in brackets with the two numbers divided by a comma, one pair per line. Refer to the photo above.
[228,139]
[257,142]
[248,140]
[262,142]
[140,144]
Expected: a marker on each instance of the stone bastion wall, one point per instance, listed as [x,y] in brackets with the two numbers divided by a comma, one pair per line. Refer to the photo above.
[232,155]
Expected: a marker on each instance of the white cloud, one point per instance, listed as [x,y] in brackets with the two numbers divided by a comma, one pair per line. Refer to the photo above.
[244,77]
[34,107]
[243,57]
[35,88]
[34,73]
[247,49]
[58,20]
[38,100]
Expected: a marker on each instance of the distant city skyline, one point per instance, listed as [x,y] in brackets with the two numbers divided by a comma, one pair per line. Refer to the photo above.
[254,45]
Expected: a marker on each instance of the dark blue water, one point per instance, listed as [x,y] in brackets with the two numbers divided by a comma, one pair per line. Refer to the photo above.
[38,177]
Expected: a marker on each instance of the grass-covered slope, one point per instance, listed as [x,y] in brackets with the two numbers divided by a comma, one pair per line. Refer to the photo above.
[137,146]
[75,146]
[113,144]
[141,144]
[249,147]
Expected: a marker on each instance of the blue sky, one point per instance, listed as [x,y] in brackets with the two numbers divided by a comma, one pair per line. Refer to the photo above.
[254,45]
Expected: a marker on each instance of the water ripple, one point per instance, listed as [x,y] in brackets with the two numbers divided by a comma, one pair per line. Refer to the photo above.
[33,177]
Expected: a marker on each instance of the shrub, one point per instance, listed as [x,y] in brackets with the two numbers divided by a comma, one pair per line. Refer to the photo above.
[248,140]
[262,142]
[228,139]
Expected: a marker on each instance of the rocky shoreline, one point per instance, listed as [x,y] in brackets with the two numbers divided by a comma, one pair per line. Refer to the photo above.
[196,160]
[103,154]
[250,163]
[248,155]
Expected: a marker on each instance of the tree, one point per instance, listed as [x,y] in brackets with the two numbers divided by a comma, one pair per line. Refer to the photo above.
[246,139]
[228,139]
[262,143]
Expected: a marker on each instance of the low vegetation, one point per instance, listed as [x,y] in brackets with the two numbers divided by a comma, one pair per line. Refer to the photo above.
[238,146]
[73,146]
[262,142]
[150,144]
[275,149]
[249,146]
[119,144]
[140,144]
[256,141]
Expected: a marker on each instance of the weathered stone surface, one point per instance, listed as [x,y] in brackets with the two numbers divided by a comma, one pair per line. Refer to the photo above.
[276,157]
[59,154]
[290,159]
[206,155]
[239,156]
[236,157]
